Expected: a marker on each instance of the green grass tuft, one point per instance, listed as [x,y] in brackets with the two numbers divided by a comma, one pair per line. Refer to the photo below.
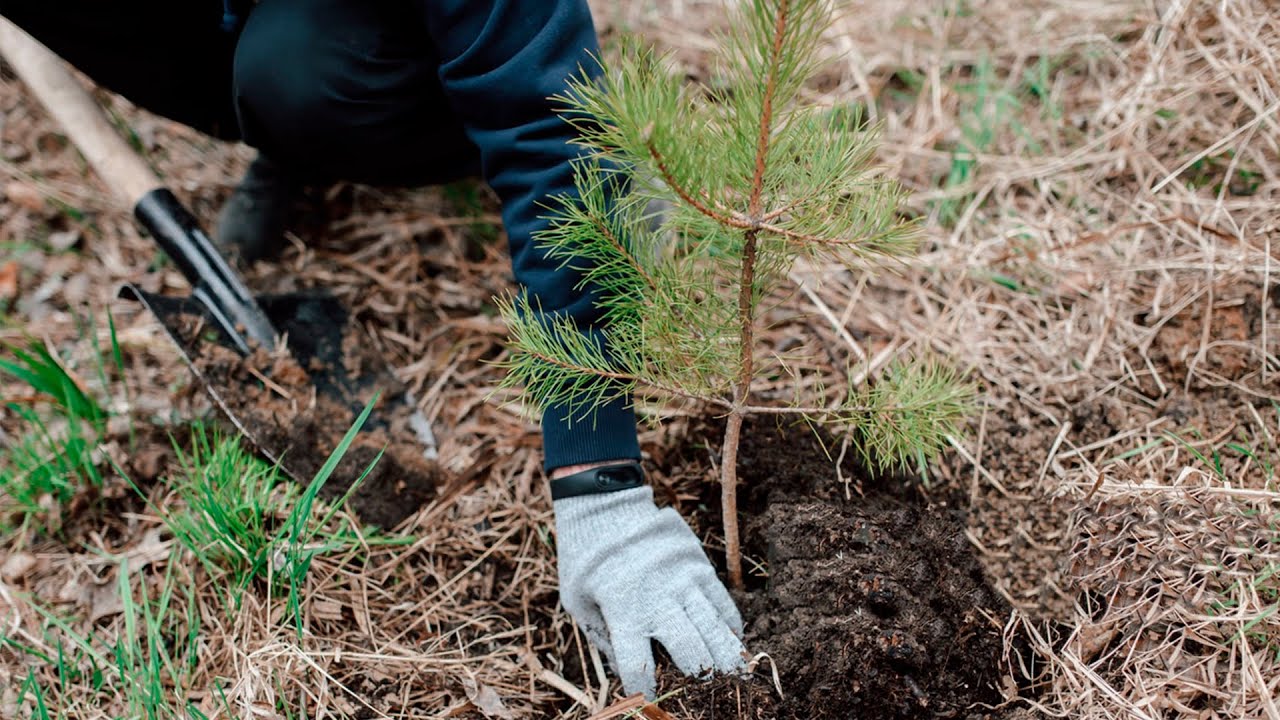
[245,521]
[38,368]
[45,468]
[232,508]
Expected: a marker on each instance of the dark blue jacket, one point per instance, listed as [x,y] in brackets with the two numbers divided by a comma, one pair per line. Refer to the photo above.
[331,88]
[500,61]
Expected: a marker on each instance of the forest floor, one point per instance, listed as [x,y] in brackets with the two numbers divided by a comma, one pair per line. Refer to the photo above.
[1098,185]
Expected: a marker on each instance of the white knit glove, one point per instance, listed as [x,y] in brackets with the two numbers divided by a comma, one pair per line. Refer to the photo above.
[630,572]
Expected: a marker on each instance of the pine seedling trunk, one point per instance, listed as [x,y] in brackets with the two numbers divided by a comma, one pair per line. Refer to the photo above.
[755,182]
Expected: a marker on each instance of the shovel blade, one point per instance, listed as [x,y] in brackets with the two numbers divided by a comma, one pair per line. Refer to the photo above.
[295,408]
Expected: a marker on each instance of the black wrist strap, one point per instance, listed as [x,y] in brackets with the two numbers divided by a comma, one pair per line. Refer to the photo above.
[610,478]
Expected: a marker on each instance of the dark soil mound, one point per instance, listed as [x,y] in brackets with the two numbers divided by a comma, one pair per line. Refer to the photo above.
[874,605]
[296,408]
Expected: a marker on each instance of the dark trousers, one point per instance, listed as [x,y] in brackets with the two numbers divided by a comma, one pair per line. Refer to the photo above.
[331,89]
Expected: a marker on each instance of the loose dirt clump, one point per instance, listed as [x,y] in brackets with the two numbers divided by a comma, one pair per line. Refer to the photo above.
[869,599]
[723,696]
[299,415]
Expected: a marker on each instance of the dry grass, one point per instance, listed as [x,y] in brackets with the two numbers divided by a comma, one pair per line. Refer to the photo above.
[1101,182]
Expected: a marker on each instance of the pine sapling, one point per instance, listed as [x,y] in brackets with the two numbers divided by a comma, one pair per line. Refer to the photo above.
[753,181]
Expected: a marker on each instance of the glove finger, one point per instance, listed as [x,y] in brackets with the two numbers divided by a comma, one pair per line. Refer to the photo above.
[634,659]
[725,647]
[591,622]
[599,637]
[601,641]
[722,601]
[680,635]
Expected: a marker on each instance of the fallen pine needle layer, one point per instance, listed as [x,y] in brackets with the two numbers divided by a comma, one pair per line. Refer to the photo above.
[1098,183]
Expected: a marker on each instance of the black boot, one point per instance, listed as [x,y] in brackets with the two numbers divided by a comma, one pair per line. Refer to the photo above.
[251,225]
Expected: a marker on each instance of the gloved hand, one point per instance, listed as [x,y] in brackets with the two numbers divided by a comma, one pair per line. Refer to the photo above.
[630,572]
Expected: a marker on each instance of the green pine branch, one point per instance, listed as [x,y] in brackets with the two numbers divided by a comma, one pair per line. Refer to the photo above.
[756,180]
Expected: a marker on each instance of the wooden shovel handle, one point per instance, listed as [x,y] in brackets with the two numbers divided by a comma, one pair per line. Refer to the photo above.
[81,118]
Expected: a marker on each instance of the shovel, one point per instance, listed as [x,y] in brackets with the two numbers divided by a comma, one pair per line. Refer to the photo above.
[234,341]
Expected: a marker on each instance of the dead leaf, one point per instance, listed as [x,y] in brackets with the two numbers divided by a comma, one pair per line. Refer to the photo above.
[64,240]
[486,700]
[9,702]
[259,709]
[73,590]
[344,706]
[104,601]
[653,712]
[76,290]
[148,462]
[151,550]
[326,609]
[24,196]
[621,708]
[1093,639]
[9,281]
[18,566]
[34,303]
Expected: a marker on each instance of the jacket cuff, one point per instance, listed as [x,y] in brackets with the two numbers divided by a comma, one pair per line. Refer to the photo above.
[607,433]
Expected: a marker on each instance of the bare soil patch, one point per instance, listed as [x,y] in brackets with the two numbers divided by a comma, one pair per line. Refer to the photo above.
[300,414]
[867,596]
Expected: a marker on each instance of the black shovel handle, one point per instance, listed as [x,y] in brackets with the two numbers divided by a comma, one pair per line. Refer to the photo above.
[213,283]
